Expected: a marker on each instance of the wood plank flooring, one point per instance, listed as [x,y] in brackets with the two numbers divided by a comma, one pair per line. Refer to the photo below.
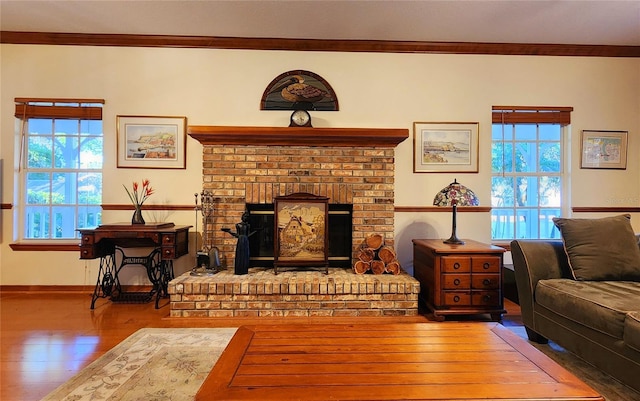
[46,338]
[423,361]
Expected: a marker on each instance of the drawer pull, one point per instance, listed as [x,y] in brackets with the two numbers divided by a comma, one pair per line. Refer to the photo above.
[486,281]
[486,265]
[487,298]
[456,298]
[456,265]
[456,281]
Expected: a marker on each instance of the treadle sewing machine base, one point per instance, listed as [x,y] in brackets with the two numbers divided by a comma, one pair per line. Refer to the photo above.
[108,284]
[168,241]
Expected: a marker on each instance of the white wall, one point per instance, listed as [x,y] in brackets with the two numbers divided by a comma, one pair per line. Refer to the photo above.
[224,87]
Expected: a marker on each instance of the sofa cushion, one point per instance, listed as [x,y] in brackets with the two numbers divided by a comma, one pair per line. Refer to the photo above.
[601,249]
[632,330]
[601,305]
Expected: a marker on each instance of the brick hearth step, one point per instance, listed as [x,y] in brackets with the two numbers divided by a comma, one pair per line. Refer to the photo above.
[294,293]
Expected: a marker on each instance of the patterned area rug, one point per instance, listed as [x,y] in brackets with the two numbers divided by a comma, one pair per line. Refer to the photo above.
[171,364]
[150,365]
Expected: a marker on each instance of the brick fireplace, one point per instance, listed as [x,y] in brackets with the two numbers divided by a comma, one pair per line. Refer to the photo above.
[253,165]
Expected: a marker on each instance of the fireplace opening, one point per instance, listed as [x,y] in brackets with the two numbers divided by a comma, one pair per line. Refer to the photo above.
[261,218]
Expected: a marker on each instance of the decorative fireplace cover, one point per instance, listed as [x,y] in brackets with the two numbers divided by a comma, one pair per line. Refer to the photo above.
[301,229]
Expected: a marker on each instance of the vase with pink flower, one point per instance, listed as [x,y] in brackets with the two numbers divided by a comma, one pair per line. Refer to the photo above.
[138,195]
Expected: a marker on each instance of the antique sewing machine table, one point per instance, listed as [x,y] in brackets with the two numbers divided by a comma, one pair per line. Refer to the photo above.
[168,241]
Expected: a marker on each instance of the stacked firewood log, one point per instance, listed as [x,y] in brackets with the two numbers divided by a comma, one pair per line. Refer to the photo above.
[376,257]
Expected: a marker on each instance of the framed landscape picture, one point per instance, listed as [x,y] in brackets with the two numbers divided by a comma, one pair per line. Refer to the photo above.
[604,149]
[445,147]
[151,142]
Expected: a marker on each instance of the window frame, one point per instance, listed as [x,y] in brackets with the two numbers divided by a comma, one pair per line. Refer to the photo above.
[80,110]
[509,117]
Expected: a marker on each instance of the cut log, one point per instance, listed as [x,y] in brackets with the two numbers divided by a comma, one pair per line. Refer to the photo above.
[377,266]
[366,254]
[374,241]
[393,267]
[387,254]
[361,267]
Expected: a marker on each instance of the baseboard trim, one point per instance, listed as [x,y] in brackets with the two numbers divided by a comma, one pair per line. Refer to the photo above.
[75,289]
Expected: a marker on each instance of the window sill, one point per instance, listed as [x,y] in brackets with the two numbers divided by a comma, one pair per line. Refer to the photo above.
[507,245]
[46,247]
[502,244]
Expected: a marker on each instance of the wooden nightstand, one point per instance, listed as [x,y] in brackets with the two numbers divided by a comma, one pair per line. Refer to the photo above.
[459,279]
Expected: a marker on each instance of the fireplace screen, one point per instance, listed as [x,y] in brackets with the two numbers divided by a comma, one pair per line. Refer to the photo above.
[340,227]
[301,231]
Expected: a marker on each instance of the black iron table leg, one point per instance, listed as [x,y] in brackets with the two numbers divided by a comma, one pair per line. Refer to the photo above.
[107,282]
[159,271]
[166,275]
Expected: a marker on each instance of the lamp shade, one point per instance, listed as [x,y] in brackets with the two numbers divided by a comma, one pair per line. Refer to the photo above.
[455,194]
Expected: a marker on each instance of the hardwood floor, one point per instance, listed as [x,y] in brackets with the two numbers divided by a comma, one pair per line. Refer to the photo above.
[45,338]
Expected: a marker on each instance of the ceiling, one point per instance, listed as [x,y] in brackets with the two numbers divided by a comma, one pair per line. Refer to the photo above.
[510,21]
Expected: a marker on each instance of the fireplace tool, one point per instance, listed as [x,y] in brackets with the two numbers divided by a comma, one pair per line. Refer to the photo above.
[207,258]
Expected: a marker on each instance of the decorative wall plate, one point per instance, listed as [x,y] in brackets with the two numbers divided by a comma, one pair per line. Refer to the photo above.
[299,90]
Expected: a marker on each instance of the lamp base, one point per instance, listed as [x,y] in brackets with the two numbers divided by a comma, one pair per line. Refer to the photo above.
[453,240]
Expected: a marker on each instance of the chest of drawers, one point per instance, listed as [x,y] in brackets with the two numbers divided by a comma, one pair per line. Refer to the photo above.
[459,279]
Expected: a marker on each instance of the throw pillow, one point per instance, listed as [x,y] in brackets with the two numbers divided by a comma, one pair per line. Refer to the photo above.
[601,249]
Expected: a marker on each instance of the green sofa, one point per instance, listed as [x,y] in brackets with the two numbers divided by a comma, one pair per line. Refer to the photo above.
[594,315]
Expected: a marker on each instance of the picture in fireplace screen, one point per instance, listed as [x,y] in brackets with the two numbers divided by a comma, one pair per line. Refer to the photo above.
[340,234]
[301,231]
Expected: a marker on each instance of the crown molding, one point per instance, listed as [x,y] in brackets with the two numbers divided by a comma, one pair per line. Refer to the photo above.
[370,46]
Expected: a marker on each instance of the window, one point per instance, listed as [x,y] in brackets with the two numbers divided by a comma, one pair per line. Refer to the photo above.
[61,153]
[527,171]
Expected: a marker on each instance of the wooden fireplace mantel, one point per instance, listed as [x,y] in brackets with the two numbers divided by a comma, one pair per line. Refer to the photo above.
[298,136]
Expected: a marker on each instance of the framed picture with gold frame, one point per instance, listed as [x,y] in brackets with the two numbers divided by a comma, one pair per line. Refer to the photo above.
[604,149]
[443,147]
[301,231]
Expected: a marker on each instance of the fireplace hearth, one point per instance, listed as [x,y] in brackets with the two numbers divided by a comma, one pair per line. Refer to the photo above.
[294,293]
